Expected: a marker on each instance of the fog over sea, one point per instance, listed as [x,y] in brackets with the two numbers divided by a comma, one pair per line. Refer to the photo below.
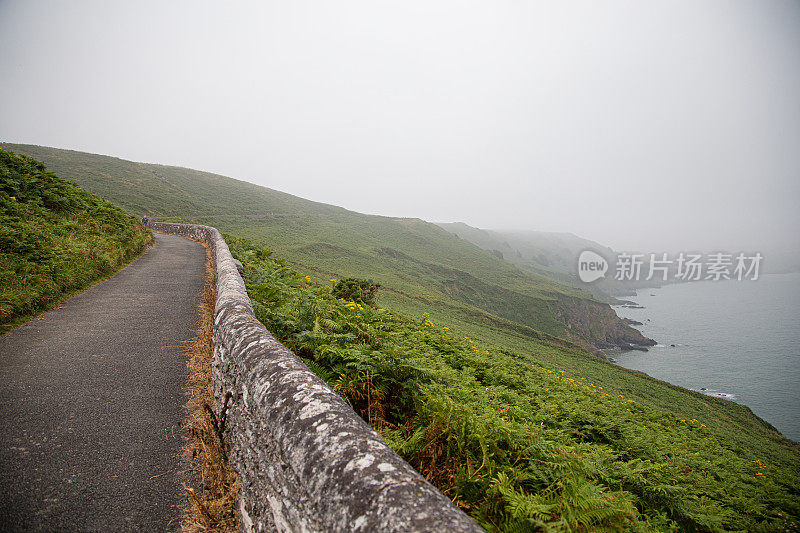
[736,339]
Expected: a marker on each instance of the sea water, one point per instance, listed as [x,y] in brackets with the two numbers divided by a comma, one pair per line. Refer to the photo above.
[739,340]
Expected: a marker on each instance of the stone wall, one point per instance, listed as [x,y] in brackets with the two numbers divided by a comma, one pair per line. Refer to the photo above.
[305,460]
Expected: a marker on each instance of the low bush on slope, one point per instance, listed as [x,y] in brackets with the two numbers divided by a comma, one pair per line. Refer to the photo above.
[515,441]
[55,238]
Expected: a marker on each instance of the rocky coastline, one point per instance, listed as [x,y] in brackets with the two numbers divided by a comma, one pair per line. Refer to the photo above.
[599,324]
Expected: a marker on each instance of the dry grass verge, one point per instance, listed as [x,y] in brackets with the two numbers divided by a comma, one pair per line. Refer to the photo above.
[211,503]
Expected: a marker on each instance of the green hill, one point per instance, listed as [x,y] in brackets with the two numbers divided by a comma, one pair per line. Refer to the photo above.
[55,238]
[158,190]
[421,266]
[549,254]
[537,429]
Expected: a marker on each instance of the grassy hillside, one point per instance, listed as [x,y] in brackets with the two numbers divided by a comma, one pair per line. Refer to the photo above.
[420,265]
[527,432]
[522,441]
[158,190]
[550,254]
[55,238]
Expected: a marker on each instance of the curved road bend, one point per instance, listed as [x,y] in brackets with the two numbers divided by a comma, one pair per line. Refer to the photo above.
[91,400]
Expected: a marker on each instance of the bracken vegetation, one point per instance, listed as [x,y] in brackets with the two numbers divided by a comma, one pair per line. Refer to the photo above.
[522,443]
[55,238]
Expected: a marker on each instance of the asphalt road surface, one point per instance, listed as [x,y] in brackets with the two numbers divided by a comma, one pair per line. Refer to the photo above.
[91,400]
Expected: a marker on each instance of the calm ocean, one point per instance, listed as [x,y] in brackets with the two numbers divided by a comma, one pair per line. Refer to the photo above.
[735,338]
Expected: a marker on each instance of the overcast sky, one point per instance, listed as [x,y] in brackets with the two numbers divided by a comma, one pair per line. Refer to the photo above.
[643,125]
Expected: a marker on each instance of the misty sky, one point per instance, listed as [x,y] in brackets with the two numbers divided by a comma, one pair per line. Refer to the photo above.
[642,124]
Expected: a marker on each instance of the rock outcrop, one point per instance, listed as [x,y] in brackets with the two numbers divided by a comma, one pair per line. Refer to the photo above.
[598,323]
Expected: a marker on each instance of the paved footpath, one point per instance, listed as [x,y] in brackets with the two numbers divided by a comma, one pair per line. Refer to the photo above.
[91,400]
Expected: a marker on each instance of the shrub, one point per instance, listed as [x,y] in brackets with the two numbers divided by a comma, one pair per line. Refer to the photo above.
[356,290]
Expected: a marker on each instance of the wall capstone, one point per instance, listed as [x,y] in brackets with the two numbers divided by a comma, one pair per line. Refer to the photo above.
[305,460]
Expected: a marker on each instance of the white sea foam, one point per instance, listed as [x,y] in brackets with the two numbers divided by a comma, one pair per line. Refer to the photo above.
[716,394]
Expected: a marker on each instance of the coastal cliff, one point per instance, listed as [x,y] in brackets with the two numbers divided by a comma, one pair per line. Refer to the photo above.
[598,323]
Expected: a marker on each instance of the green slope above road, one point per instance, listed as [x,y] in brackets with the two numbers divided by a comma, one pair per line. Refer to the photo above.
[55,238]
[421,266]
[158,190]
